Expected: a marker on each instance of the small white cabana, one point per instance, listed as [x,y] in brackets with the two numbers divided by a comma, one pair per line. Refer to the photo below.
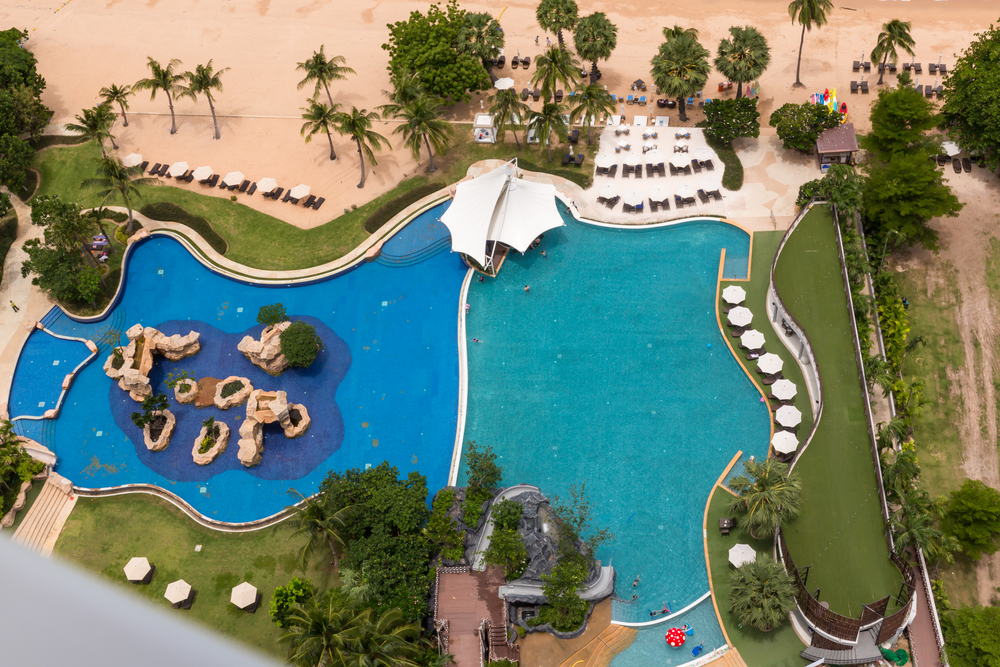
[483,130]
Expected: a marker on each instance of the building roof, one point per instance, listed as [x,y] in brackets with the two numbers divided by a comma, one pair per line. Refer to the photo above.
[839,139]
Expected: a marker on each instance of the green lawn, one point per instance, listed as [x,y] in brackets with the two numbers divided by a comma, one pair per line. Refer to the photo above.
[147,526]
[778,648]
[840,532]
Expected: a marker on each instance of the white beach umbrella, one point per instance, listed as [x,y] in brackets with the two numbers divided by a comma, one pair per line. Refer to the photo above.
[177,169]
[137,569]
[132,160]
[951,148]
[770,363]
[734,294]
[784,390]
[604,160]
[243,595]
[659,193]
[685,190]
[702,153]
[266,184]
[753,339]
[623,143]
[681,144]
[300,191]
[201,173]
[649,145]
[741,554]
[655,156]
[609,190]
[788,415]
[178,591]
[785,442]
[680,160]
[633,197]
[233,178]
[709,184]
[740,316]
[504,83]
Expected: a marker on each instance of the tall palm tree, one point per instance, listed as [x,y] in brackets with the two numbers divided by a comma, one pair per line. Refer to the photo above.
[320,118]
[165,79]
[115,94]
[595,37]
[761,593]
[95,124]
[767,495]
[744,57]
[323,70]
[118,182]
[422,120]
[902,471]
[202,81]
[809,13]
[314,519]
[555,66]
[358,126]
[915,528]
[895,34]
[556,16]
[681,68]
[591,102]
[406,87]
[386,640]
[545,122]
[508,109]
[677,31]
[480,36]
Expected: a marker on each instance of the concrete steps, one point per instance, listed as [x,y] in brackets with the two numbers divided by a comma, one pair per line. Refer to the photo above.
[601,650]
[40,528]
[415,257]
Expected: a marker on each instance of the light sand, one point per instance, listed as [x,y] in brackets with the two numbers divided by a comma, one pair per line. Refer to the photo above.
[88,44]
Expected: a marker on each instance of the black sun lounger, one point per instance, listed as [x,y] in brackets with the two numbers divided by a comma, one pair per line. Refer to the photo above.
[319,202]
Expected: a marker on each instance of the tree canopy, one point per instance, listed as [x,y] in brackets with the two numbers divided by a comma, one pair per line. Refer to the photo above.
[973,636]
[743,57]
[973,517]
[17,64]
[899,119]
[300,344]
[799,125]
[729,119]
[425,43]
[21,109]
[971,105]
[57,260]
[681,68]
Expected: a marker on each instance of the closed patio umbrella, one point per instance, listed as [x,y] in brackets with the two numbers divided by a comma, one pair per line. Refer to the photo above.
[753,339]
[784,442]
[740,316]
[234,178]
[201,173]
[784,390]
[178,591]
[604,160]
[300,191]
[132,159]
[609,190]
[770,363]
[137,569]
[741,554]
[734,294]
[243,595]
[177,169]
[788,416]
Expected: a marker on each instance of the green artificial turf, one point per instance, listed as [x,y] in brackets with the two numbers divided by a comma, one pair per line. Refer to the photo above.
[840,532]
[102,534]
[778,648]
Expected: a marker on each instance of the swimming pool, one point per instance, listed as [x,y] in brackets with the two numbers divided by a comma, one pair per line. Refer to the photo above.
[612,371]
[384,388]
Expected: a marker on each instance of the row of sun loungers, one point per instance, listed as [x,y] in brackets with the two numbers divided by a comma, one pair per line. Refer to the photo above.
[536,94]
[514,62]
[959,165]
[932,68]
[245,187]
[569,159]
[653,170]
[655,206]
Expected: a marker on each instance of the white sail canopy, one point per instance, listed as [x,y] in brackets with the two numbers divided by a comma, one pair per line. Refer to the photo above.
[498,206]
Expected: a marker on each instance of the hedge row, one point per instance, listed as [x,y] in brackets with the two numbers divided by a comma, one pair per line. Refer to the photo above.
[388,210]
[55,140]
[8,233]
[169,212]
[732,178]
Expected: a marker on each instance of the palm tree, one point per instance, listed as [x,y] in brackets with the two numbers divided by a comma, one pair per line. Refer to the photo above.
[545,122]
[118,182]
[95,124]
[761,594]
[480,36]
[808,13]
[320,118]
[556,16]
[422,120]
[115,94]
[677,31]
[508,109]
[914,528]
[902,471]
[744,57]
[681,68]
[386,641]
[406,87]
[358,125]
[322,70]
[555,66]
[165,79]
[595,37]
[591,102]
[767,495]
[202,81]
[894,34]
[313,518]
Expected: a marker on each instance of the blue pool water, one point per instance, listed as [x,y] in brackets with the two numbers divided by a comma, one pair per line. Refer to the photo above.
[47,360]
[650,646]
[612,371]
[385,388]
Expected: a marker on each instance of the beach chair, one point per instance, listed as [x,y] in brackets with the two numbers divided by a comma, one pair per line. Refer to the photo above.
[525,62]
[253,189]
[205,181]
[164,169]
[212,181]
[654,206]
[579,160]
[536,94]
[708,164]
[642,100]
[613,171]
[559,96]
[854,86]
[932,68]
[673,169]
[602,200]
[630,100]
[185,176]
[319,202]
[937,91]
[768,380]
[857,66]
[892,68]
[611,202]
[638,208]
[942,160]
[920,90]
[190,177]
[514,62]
[650,170]
[574,136]
[917,68]
[142,167]
[661,170]
[881,68]
[696,166]
[243,186]
[717,194]
[928,91]
[957,165]
[277,193]
[501,61]
[291,200]
[309,202]
[665,204]
[689,201]
[906,67]
[703,196]
[223,186]
[942,69]
[678,202]
[627,208]
[864,87]
[525,94]
[566,159]
[967,165]
[867,66]
[638,170]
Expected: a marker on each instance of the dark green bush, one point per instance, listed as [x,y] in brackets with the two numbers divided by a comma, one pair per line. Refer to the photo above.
[27,190]
[106,214]
[388,210]
[507,514]
[56,140]
[231,388]
[169,212]
[442,530]
[732,177]
[296,592]
[271,314]
[534,622]
[300,344]
[8,233]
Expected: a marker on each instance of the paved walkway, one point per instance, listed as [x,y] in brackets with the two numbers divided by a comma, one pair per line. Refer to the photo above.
[923,643]
[46,517]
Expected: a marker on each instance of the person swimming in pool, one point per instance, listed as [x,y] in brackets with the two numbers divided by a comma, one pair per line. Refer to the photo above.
[696,651]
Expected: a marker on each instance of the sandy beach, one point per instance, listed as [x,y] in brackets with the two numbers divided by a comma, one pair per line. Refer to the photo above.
[83,45]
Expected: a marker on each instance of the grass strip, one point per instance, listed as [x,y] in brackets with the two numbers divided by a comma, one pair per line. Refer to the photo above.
[388,210]
[170,212]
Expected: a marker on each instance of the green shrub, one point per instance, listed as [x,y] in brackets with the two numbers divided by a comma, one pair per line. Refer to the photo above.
[170,212]
[732,177]
[506,514]
[120,234]
[271,314]
[150,406]
[300,344]
[8,234]
[212,431]
[565,610]
[534,622]
[442,530]
[106,214]
[388,210]
[296,592]
[173,379]
[30,186]
[729,119]
[503,662]
[507,551]
[521,632]
[231,388]
[47,140]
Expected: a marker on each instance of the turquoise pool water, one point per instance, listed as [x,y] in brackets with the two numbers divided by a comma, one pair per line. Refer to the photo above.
[612,371]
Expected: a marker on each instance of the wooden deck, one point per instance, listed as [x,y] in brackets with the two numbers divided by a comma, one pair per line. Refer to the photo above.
[464,600]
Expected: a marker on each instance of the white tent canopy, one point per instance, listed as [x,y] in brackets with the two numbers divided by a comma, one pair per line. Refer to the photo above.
[498,206]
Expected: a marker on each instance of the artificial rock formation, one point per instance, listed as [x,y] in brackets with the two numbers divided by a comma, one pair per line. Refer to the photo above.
[266,352]
[234,399]
[168,430]
[137,357]
[268,407]
[251,442]
[220,445]
[182,395]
